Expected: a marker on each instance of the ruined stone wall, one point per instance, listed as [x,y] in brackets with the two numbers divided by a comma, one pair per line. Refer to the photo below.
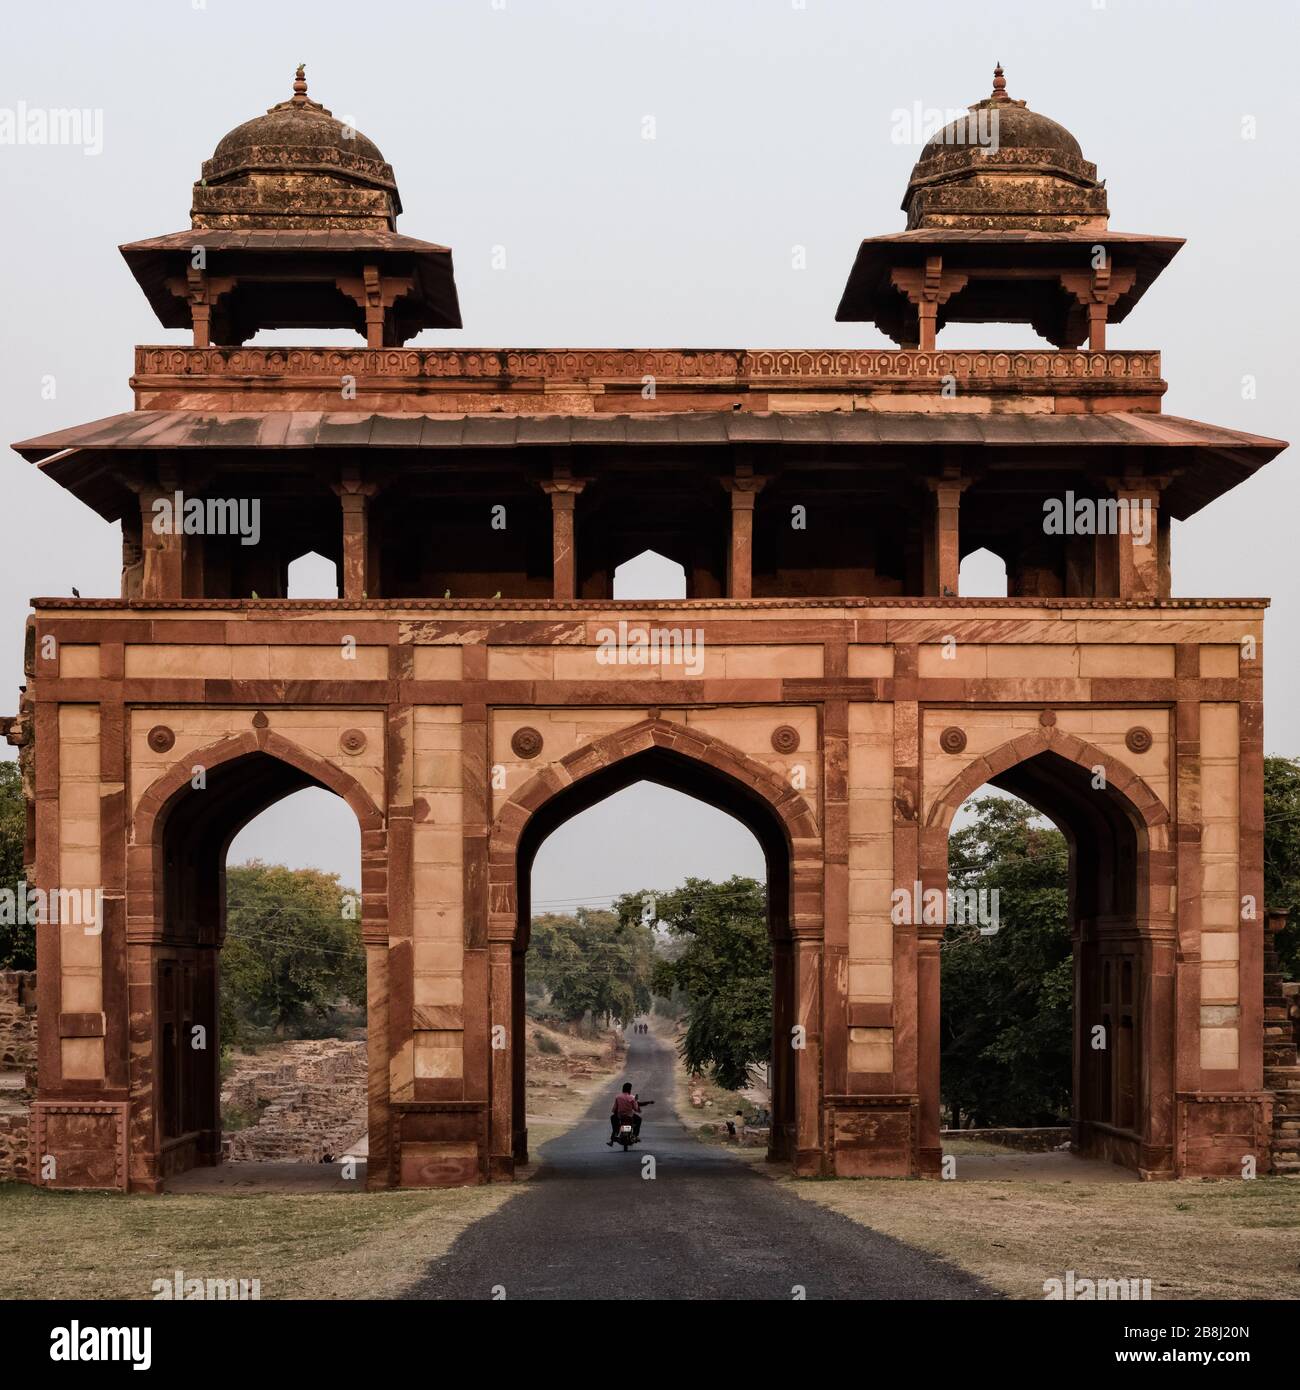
[310,1097]
[17,1069]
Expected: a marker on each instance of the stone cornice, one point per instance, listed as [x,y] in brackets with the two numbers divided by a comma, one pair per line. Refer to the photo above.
[590,606]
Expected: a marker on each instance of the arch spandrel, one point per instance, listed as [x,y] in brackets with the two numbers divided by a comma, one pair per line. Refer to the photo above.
[320,747]
[791,810]
[1148,808]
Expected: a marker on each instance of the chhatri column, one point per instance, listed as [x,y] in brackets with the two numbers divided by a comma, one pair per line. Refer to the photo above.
[943,540]
[564,491]
[354,499]
[1096,291]
[744,488]
[926,287]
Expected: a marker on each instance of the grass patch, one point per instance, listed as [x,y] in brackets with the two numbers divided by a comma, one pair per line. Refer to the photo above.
[90,1245]
[1192,1239]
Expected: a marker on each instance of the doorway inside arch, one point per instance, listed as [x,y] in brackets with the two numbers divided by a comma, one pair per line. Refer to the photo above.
[626,880]
[260,1046]
[1053,1036]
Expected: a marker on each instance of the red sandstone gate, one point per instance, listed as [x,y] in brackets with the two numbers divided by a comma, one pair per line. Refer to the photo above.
[475,682]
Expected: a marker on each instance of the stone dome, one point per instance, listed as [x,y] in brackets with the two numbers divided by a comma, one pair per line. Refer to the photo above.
[296,166]
[1004,167]
[1019,128]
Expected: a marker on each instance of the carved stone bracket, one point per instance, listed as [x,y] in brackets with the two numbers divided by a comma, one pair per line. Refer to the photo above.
[1095,291]
[927,287]
[375,294]
[202,292]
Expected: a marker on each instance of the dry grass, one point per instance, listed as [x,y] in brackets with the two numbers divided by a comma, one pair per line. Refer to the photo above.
[89,1245]
[1193,1239]
[557,1098]
[1228,1239]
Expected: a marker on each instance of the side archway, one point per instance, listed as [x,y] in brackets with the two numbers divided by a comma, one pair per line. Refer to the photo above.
[176,857]
[1124,939]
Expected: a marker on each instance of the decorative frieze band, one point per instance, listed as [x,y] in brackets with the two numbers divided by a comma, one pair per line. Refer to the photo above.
[665,366]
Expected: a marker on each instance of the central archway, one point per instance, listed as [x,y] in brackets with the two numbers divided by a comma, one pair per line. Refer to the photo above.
[703,767]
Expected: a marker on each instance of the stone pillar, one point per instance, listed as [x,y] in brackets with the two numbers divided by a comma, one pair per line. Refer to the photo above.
[744,488]
[563,492]
[501,1160]
[1143,572]
[375,294]
[927,1047]
[927,287]
[132,554]
[1096,291]
[354,497]
[162,546]
[201,292]
[942,551]
[808,1160]
[780,1139]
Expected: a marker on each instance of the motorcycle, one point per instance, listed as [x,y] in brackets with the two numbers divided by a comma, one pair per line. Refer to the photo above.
[626,1133]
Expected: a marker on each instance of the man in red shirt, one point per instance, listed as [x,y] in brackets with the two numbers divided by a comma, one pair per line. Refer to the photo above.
[626,1107]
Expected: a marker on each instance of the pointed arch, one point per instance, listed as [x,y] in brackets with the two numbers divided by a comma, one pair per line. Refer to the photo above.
[710,768]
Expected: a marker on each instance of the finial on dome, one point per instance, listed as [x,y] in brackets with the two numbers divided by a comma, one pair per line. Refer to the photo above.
[999,85]
[300,85]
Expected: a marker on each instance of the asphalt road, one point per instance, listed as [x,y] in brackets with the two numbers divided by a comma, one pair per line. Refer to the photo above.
[590,1226]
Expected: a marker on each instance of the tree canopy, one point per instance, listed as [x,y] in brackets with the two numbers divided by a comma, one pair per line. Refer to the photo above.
[1007,998]
[1282,854]
[292,954]
[723,968]
[17,940]
[593,962]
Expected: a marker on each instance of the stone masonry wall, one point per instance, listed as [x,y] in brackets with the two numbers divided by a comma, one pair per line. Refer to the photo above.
[311,1099]
[17,1069]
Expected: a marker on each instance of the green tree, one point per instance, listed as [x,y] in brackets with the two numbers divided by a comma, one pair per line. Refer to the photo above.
[1282,854]
[723,969]
[1006,1020]
[292,954]
[593,962]
[17,941]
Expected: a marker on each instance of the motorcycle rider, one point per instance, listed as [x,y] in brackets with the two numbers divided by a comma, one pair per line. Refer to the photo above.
[626,1108]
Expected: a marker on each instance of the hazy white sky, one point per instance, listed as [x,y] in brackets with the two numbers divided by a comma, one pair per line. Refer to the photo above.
[519,124]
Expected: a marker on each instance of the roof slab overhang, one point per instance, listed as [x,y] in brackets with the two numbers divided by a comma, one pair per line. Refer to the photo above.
[1009,276]
[287,278]
[1202,461]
